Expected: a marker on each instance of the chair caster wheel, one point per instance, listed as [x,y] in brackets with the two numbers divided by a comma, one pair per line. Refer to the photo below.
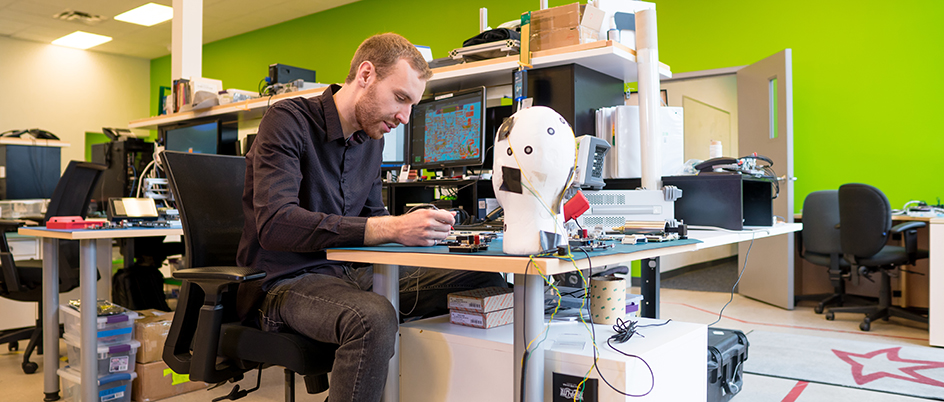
[13,346]
[30,367]
[818,309]
[830,316]
[865,326]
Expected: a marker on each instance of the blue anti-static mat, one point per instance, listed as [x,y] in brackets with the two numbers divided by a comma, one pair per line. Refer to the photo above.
[495,247]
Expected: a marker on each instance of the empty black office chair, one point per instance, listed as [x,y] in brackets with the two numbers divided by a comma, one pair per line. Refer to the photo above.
[22,280]
[206,339]
[865,226]
[819,244]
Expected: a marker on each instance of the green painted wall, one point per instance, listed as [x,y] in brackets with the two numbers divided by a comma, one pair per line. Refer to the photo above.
[867,74]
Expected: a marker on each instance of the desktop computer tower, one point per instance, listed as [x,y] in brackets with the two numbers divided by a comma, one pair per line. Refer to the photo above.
[126,161]
[29,171]
[576,92]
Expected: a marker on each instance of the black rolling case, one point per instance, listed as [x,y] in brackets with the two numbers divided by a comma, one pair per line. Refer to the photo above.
[727,351]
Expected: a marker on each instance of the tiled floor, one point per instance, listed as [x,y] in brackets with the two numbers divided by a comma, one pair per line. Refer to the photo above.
[680,305]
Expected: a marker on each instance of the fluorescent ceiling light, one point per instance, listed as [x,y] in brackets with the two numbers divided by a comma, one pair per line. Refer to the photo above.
[147,15]
[81,40]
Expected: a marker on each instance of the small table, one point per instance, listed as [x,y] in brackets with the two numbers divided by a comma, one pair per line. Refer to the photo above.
[89,260]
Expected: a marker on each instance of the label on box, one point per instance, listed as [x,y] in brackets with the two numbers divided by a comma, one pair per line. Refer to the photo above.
[472,320]
[573,388]
[112,394]
[118,364]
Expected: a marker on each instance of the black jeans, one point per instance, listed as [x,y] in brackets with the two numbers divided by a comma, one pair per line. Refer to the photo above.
[345,312]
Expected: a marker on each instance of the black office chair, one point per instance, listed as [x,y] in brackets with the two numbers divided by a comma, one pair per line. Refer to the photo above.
[865,226]
[22,280]
[819,244]
[206,339]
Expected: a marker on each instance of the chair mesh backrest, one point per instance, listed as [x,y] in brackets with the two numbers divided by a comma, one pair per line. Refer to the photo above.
[208,190]
[865,219]
[820,218]
[74,190]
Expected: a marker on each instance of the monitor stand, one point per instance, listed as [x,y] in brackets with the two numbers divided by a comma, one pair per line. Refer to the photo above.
[454,172]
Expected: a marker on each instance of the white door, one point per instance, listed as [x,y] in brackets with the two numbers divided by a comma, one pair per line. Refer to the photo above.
[765,126]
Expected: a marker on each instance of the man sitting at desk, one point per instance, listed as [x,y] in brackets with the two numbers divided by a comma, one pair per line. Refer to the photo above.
[313,182]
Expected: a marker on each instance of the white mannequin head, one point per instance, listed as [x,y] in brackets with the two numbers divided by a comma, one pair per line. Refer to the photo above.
[533,164]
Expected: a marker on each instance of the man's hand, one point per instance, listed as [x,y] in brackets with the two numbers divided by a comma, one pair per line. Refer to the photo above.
[422,227]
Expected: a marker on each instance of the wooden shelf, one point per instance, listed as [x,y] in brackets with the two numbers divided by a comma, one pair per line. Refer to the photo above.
[608,57]
[36,142]
[245,110]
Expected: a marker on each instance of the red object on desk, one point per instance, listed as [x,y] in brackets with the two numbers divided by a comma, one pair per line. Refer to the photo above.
[576,206]
[70,222]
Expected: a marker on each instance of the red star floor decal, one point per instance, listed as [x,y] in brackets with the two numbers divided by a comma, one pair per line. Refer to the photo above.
[891,355]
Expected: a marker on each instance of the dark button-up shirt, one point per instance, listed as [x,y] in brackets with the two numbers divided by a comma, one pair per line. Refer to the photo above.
[307,188]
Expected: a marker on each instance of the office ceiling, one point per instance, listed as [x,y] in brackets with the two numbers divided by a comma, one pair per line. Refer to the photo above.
[33,20]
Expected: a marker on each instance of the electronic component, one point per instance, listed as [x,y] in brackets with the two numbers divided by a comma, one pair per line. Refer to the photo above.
[468,244]
[139,209]
[591,152]
[282,74]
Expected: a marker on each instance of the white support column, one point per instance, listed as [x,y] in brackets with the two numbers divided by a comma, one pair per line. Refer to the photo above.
[650,127]
[483,19]
[187,39]
[387,284]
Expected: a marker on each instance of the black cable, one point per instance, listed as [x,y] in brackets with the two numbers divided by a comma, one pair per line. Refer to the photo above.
[746,256]
[593,339]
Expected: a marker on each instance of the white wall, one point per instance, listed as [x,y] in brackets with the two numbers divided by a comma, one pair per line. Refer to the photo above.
[69,92]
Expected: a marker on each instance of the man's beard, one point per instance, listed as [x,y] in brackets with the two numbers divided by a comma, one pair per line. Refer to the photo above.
[365,111]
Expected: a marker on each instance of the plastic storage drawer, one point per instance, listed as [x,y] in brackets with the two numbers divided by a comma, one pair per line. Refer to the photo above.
[112,359]
[111,388]
[112,329]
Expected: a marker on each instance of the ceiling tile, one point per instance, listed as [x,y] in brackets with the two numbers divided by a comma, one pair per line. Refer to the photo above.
[35,8]
[41,34]
[8,27]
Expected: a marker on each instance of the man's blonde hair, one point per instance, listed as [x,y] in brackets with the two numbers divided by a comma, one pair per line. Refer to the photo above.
[384,51]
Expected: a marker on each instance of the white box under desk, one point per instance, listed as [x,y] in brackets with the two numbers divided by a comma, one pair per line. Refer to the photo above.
[440,361]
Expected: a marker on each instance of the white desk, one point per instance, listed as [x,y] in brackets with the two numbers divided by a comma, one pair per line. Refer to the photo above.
[89,259]
[936,282]
[529,305]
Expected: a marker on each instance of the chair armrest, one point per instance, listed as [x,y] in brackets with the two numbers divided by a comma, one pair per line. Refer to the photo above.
[207,300]
[909,230]
[7,225]
[226,274]
[901,227]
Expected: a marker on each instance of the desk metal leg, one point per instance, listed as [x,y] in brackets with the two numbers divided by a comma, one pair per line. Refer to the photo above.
[650,282]
[89,313]
[529,322]
[387,284]
[50,316]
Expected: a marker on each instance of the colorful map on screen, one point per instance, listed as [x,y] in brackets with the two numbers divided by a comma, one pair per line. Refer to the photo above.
[453,133]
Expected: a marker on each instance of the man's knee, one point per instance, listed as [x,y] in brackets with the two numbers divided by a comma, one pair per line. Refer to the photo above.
[379,319]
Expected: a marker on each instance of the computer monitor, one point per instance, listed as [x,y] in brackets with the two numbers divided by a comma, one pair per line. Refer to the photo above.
[393,151]
[448,130]
[212,137]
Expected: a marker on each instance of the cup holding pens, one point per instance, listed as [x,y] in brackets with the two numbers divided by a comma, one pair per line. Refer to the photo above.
[607,299]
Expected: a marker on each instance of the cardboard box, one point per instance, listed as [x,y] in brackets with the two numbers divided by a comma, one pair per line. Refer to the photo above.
[566,25]
[151,330]
[482,320]
[482,300]
[157,381]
